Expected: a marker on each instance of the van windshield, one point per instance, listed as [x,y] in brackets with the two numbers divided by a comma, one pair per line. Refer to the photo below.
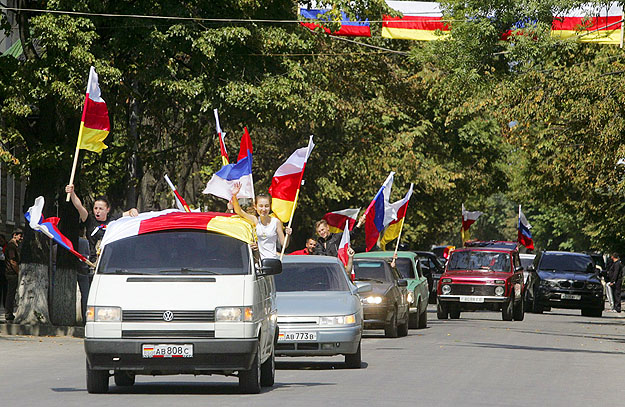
[176,252]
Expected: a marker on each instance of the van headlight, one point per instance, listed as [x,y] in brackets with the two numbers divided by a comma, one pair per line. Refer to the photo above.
[410,297]
[234,314]
[446,289]
[341,320]
[104,314]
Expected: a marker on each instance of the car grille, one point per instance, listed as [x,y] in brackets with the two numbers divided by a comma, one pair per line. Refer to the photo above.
[299,346]
[468,289]
[570,283]
[179,316]
[167,334]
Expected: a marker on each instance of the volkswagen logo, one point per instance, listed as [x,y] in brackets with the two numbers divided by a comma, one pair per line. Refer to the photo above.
[168,316]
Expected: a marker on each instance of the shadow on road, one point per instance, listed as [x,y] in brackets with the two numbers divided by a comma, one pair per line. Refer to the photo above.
[315,365]
[534,348]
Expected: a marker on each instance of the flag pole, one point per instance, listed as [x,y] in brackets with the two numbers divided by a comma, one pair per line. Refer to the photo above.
[286,238]
[401,228]
[71,177]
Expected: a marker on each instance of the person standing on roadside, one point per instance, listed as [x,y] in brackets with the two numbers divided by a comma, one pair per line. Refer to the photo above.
[615,281]
[12,260]
[3,280]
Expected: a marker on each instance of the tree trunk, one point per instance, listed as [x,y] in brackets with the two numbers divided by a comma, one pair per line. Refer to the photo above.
[64,297]
[33,295]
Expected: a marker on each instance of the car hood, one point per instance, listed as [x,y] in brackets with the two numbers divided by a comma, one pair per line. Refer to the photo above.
[567,275]
[468,276]
[316,303]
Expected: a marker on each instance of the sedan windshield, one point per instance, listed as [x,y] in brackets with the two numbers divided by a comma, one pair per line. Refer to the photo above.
[311,277]
[176,252]
[372,270]
[567,262]
[479,260]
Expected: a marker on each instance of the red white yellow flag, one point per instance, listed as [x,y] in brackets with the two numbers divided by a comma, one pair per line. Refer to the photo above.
[94,125]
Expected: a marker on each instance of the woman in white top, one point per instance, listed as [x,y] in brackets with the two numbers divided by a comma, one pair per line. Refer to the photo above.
[268,229]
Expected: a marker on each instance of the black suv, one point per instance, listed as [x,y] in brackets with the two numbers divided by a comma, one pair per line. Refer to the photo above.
[564,280]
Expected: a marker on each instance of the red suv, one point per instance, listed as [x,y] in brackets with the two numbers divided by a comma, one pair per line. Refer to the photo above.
[482,276]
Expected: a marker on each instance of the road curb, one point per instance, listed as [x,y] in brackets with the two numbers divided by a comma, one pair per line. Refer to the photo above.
[42,330]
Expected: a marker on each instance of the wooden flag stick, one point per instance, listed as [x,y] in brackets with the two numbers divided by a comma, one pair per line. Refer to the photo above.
[401,228]
[286,238]
[71,177]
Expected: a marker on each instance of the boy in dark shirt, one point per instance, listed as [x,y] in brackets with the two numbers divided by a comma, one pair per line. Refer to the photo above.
[12,256]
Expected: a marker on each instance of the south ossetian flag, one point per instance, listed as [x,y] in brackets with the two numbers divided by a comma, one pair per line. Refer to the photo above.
[468,218]
[524,234]
[336,220]
[49,227]
[94,125]
[348,28]
[287,180]
[379,213]
[344,245]
[400,207]
[222,182]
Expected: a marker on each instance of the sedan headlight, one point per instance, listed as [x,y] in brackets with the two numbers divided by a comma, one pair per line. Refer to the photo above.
[234,314]
[499,290]
[341,320]
[374,299]
[410,297]
[446,289]
[104,314]
[593,286]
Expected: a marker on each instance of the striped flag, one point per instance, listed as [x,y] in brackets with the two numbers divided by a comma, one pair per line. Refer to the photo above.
[222,139]
[344,245]
[524,234]
[379,213]
[180,202]
[336,220]
[94,125]
[287,181]
[468,218]
[393,229]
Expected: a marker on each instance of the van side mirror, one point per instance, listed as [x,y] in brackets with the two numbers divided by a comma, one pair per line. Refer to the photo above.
[402,283]
[362,287]
[270,267]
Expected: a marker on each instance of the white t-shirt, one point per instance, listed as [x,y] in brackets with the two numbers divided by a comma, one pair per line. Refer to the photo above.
[268,239]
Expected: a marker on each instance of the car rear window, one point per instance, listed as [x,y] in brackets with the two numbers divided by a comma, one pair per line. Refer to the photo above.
[311,277]
[371,270]
[176,252]
[405,267]
[479,260]
[566,262]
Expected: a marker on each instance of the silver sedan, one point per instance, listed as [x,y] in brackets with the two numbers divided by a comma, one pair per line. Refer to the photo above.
[319,309]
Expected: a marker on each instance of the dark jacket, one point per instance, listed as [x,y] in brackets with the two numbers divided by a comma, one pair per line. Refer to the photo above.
[615,273]
[328,246]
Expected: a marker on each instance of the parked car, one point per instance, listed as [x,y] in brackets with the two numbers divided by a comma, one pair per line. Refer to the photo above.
[527,259]
[181,293]
[432,269]
[564,280]
[386,306]
[319,309]
[409,268]
[483,275]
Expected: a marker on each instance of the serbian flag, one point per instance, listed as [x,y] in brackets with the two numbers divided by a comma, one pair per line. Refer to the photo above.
[222,182]
[94,125]
[336,220]
[524,234]
[344,245]
[348,28]
[421,20]
[287,181]
[379,213]
[394,228]
[590,23]
[180,202]
[222,138]
[49,227]
[468,218]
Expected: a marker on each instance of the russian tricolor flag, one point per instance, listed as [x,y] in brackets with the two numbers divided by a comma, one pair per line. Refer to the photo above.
[524,234]
[222,182]
[379,213]
[348,28]
[49,227]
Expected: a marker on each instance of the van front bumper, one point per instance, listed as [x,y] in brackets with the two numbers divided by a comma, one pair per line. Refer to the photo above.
[209,355]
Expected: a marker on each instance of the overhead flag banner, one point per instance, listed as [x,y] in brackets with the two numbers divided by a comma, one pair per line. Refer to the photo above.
[420,21]
[348,28]
[379,213]
[524,234]
[600,24]
[287,181]
[468,218]
[394,228]
[336,220]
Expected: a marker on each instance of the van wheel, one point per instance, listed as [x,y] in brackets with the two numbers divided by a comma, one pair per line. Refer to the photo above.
[423,319]
[97,380]
[354,360]
[124,379]
[442,312]
[390,330]
[268,371]
[249,380]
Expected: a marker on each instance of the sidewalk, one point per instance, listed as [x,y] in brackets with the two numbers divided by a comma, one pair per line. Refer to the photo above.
[38,329]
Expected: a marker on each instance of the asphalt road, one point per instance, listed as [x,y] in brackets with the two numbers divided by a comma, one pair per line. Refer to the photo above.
[555,359]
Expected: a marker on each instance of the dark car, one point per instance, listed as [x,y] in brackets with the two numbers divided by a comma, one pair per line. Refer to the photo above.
[564,280]
[432,269]
[483,276]
[386,306]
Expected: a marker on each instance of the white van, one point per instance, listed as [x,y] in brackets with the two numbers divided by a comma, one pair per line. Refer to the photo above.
[181,293]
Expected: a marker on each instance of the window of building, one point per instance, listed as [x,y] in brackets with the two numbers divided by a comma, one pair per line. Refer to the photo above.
[10,198]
